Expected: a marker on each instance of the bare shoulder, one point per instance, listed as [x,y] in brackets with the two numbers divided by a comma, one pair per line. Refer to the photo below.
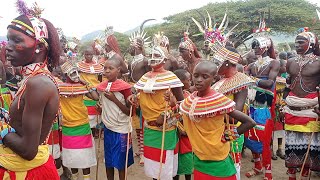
[42,84]
[275,63]
[289,61]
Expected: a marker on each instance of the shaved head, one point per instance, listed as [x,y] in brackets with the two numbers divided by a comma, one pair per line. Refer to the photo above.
[208,66]
[114,61]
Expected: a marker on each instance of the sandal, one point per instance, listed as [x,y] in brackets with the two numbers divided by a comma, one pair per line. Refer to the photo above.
[280,154]
[253,172]
[274,157]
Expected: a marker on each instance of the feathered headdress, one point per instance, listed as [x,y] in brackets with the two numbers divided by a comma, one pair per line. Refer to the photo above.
[260,34]
[160,39]
[213,33]
[138,38]
[262,29]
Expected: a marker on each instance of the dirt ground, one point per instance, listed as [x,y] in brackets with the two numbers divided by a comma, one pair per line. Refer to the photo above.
[136,172]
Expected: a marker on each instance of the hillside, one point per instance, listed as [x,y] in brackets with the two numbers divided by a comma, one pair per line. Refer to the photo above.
[286,17]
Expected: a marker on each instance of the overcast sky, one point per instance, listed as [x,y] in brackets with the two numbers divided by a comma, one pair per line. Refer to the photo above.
[79,17]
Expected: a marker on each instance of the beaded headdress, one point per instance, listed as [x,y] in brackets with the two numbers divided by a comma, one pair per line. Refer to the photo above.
[71,69]
[139,38]
[155,56]
[38,30]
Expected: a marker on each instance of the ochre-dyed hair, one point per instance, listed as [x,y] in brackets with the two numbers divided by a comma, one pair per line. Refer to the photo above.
[271,51]
[195,51]
[3,54]
[53,41]
[113,43]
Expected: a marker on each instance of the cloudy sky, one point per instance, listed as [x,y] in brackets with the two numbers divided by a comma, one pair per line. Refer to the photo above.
[79,17]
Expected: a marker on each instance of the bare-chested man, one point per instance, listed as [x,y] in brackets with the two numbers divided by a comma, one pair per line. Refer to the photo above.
[24,150]
[301,98]
[265,70]
[139,64]
[137,68]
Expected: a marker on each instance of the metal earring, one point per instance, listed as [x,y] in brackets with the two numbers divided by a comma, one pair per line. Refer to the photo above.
[37,51]
[227,64]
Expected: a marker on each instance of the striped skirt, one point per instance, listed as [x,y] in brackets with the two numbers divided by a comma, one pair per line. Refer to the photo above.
[78,149]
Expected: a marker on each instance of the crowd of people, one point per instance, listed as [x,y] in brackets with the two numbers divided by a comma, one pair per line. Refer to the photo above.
[193,113]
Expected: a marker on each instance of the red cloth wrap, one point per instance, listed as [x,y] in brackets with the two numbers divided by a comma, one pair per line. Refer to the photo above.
[92,110]
[201,176]
[53,137]
[116,86]
[266,152]
[45,171]
[184,145]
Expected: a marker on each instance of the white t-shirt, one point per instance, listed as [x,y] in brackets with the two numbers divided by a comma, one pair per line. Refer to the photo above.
[112,116]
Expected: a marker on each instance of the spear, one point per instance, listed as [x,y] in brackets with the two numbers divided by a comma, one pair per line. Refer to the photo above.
[128,143]
[310,140]
[163,136]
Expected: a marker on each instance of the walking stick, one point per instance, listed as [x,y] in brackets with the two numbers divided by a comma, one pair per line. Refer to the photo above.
[309,145]
[98,151]
[163,136]
[128,142]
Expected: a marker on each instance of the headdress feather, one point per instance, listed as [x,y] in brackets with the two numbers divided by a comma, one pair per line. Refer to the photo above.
[22,8]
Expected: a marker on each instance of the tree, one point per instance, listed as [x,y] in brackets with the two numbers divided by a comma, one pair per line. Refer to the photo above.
[287,16]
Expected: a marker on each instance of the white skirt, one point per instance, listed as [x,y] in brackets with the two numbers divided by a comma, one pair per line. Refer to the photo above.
[55,151]
[169,168]
[79,158]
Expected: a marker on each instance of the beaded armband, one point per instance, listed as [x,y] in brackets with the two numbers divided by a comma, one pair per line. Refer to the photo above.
[4,115]
[230,135]
[4,130]
[92,89]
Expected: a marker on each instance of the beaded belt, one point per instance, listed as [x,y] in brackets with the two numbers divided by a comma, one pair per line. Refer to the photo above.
[293,108]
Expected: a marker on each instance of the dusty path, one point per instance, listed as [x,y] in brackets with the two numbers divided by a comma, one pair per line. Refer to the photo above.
[135,172]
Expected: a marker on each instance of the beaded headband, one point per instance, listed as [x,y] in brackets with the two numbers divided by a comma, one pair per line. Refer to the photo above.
[311,37]
[39,30]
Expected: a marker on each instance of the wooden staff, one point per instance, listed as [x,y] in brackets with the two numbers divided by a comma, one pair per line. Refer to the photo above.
[98,152]
[163,135]
[310,140]
[128,142]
